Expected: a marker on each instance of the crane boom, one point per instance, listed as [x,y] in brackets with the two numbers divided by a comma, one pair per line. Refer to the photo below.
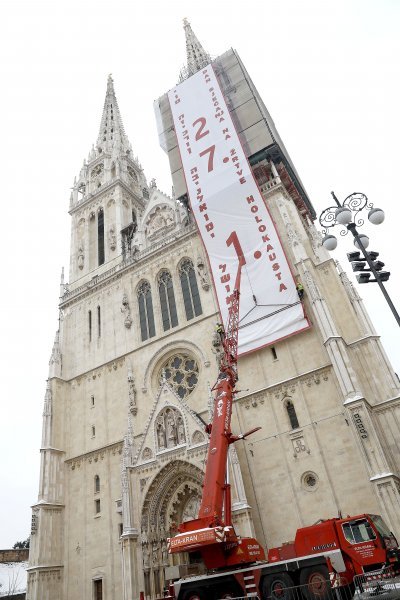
[212,533]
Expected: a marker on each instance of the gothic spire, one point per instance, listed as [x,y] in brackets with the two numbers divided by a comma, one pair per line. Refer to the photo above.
[197,57]
[112,134]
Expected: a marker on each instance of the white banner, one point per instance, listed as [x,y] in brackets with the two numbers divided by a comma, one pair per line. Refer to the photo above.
[232,217]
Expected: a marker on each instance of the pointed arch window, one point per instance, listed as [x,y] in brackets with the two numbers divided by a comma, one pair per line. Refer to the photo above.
[100,236]
[167,300]
[190,290]
[291,411]
[96,484]
[146,314]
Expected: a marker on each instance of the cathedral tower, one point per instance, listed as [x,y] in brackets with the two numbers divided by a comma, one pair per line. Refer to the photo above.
[124,446]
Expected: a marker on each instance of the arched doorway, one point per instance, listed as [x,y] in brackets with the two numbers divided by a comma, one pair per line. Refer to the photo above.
[173,497]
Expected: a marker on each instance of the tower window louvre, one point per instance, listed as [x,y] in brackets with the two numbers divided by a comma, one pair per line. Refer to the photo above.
[146,315]
[100,236]
[98,321]
[167,301]
[98,589]
[190,290]
[291,411]
[90,325]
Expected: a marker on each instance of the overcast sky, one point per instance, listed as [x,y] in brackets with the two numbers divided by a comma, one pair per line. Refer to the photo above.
[328,72]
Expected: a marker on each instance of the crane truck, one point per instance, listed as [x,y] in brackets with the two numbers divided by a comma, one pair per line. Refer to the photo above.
[328,554]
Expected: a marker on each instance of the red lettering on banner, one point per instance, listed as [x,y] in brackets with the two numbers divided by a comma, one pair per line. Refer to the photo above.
[215,172]
[224,281]
[176,97]
[185,132]
[206,76]
[200,133]
[265,238]
[226,134]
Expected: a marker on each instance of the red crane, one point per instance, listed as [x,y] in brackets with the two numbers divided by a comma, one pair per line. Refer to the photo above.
[212,533]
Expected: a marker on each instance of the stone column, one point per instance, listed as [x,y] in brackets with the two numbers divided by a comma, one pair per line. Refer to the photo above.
[132,579]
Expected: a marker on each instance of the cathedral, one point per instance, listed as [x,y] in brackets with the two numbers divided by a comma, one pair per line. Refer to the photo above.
[136,355]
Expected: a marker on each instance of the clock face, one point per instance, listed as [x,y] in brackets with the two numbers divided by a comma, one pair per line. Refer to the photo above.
[97,171]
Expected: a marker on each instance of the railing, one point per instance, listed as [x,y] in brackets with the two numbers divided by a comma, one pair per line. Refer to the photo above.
[68,294]
[269,185]
[317,589]
[377,583]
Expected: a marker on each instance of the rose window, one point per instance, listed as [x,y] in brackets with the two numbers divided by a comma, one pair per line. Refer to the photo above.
[182,374]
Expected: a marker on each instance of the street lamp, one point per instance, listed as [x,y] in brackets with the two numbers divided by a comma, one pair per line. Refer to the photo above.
[346,215]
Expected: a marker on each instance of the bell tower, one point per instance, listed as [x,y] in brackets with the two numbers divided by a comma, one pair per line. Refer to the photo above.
[108,197]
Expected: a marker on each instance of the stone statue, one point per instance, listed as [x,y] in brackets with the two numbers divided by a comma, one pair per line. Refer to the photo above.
[203,275]
[171,431]
[126,309]
[164,553]
[112,239]
[132,393]
[160,436]
[155,554]
[146,557]
[81,256]
[181,432]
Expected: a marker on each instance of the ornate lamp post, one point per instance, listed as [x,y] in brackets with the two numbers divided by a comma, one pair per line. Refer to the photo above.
[346,214]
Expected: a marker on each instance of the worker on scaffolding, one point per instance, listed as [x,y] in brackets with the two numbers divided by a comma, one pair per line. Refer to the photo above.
[219,328]
[300,290]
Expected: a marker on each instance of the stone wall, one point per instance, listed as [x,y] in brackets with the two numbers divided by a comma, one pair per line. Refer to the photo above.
[14,555]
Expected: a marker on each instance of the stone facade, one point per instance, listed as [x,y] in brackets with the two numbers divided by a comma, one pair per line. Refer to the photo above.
[123,445]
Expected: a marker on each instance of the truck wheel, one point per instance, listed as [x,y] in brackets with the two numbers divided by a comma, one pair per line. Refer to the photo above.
[278,587]
[315,582]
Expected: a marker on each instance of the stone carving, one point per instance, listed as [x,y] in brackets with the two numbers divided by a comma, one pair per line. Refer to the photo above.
[132,393]
[155,554]
[125,309]
[112,238]
[164,553]
[181,432]
[170,429]
[315,238]
[349,287]
[299,446]
[313,290]
[161,218]
[161,436]
[81,256]
[146,556]
[203,274]
[147,454]
[290,229]
[191,509]
[181,372]
[233,455]
[197,437]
